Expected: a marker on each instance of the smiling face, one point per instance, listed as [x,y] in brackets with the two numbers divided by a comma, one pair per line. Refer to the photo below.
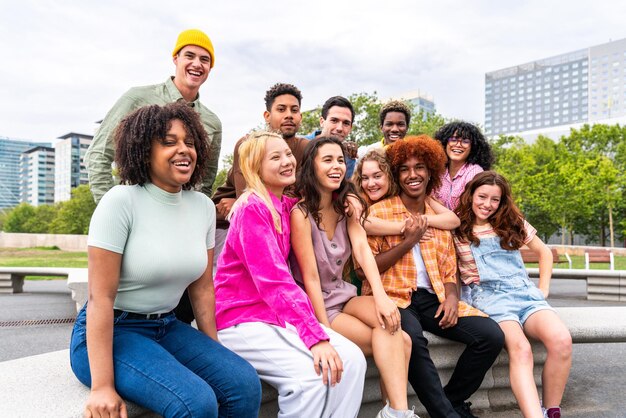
[485,202]
[374,181]
[458,149]
[193,65]
[278,168]
[394,127]
[338,122]
[330,167]
[413,177]
[284,116]
[172,159]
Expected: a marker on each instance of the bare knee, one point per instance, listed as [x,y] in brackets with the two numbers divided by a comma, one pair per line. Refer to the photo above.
[520,352]
[560,345]
[407,344]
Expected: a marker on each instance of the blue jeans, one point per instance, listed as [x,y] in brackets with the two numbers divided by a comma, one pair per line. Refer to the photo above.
[173,369]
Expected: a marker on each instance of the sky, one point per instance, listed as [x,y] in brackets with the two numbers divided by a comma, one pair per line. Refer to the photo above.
[65,63]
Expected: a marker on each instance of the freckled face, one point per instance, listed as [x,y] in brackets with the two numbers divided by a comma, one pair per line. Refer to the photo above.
[374,181]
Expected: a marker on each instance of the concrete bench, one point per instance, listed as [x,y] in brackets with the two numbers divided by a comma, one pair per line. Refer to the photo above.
[12,278]
[606,285]
[44,384]
[529,256]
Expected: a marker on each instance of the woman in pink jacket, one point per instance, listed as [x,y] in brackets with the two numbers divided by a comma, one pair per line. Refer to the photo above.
[262,314]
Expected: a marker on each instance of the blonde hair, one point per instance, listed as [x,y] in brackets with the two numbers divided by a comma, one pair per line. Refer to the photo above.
[251,154]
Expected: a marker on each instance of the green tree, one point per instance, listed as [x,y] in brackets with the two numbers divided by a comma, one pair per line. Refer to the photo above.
[530,169]
[366,128]
[74,215]
[310,121]
[3,217]
[42,219]
[220,178]
[598,152]
[17,218]
[425,123]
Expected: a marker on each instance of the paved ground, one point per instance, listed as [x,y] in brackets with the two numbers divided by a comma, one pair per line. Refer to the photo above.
[596,387]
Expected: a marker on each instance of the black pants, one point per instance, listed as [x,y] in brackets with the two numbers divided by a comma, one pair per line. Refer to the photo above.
[484,341]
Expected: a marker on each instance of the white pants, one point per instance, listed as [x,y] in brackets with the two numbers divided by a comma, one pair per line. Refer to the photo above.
[282,360]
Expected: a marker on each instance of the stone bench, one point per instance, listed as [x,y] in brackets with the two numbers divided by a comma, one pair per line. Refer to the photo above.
[44,384]
[12,278]
[607,285]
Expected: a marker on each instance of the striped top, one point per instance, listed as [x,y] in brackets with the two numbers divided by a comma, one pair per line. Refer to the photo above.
[467,264]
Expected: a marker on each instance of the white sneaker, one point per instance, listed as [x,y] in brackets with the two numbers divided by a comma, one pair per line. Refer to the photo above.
[385,413]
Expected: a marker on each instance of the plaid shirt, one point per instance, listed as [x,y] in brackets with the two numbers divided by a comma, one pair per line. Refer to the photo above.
[451,190]
[400,281]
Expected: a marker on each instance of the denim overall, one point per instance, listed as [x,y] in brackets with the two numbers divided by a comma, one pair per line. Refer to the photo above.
[505,292]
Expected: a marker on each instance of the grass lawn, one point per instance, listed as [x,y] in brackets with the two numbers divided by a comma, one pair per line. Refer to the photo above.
[52,257]
[41,257]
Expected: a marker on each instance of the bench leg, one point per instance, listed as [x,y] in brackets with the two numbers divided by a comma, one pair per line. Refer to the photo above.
[11,283]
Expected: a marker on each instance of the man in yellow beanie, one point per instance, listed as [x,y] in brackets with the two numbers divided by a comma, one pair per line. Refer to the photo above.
[193,56]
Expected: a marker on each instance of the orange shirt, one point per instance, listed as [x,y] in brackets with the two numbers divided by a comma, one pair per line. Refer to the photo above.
[400,281]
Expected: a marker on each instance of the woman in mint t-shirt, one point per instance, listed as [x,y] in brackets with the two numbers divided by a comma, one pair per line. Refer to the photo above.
[149,239]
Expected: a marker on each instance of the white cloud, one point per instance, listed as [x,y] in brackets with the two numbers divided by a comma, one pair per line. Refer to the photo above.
[67,61]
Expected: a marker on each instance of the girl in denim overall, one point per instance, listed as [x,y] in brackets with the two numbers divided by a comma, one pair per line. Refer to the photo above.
[487,242]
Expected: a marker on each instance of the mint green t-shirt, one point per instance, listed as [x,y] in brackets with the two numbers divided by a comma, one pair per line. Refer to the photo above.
[163,238]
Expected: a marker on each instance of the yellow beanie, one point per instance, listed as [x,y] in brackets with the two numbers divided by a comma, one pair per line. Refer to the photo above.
[194,37]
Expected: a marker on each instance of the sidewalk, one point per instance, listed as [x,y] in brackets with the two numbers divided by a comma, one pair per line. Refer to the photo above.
[595,388]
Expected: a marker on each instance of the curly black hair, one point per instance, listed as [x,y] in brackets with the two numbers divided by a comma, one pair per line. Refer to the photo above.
[279,89]
[480,153]
[307,186]
[135,134]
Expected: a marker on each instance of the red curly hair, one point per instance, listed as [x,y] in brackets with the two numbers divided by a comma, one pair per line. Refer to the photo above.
[425,149]
[507,221]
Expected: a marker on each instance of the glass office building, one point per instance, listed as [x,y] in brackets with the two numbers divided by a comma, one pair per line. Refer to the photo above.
[69,166]
[10,154]
[37,176]
[581,86]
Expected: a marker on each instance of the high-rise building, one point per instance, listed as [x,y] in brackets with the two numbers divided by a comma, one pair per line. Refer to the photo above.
[420,101]
[69,166]
[37,176]
[584,86]
[10,151]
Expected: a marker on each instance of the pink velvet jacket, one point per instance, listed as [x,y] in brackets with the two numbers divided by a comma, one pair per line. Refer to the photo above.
[253,281]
